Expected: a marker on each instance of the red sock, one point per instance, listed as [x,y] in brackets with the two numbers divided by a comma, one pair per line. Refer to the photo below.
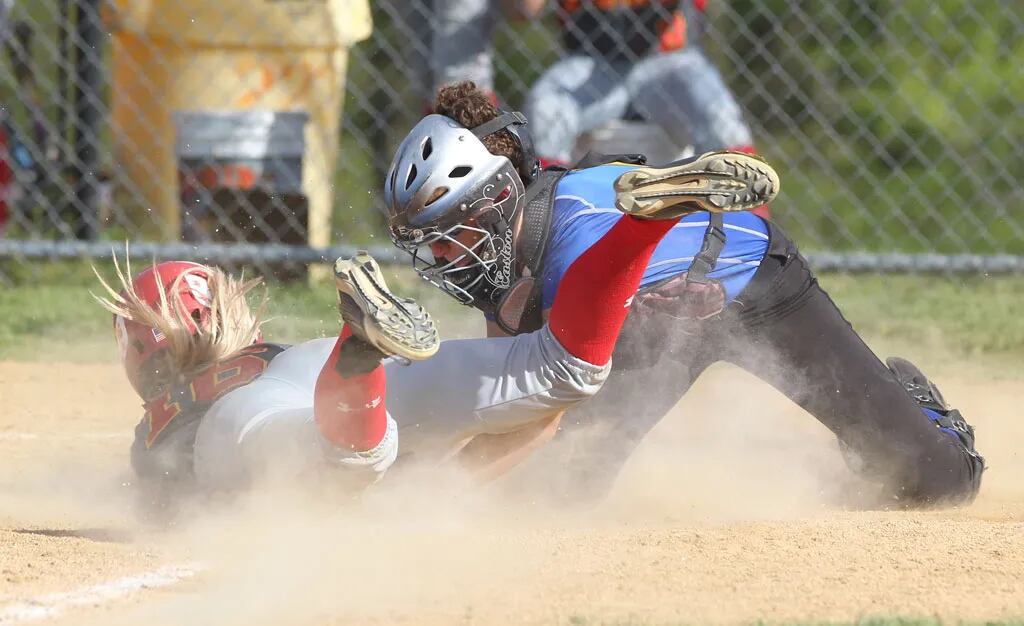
[350,411]
[594,296]
[760,211]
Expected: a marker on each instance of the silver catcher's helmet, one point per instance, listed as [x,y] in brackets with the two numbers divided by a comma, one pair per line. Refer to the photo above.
[444,185]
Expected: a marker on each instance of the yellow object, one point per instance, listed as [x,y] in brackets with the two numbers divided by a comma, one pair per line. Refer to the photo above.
[228,55]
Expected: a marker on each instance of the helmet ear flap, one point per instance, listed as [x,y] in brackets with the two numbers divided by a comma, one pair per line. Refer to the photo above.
[531,164]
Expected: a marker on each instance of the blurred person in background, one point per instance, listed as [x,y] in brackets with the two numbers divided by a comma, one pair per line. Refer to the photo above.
[640,56]
[445,41]
[461,44]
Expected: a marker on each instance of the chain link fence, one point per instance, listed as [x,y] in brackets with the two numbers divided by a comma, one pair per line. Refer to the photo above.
[258,132]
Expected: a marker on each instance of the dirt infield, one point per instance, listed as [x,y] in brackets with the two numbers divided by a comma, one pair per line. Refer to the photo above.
[727,514]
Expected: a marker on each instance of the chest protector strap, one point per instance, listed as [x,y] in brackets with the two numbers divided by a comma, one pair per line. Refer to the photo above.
[710,249]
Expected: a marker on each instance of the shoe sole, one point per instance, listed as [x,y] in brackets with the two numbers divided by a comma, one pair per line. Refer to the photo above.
[397,326]
[716,182]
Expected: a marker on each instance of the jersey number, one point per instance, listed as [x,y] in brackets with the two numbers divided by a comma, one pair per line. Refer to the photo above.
[206,388]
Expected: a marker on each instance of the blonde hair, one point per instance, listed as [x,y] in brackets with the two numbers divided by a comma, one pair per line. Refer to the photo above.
[232,324]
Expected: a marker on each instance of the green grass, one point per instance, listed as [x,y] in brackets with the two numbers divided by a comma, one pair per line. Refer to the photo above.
[49,312]
[969,316]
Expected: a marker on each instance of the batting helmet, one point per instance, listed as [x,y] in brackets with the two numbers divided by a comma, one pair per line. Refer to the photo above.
[179,290]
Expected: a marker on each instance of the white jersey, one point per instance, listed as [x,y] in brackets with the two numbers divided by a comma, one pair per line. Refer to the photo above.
[470,387]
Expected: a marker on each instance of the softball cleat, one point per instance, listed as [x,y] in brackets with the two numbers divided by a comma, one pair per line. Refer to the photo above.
[947,420]
[395,326]
[716,182]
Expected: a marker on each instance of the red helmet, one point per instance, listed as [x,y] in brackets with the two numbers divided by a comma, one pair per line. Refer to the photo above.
[142,347]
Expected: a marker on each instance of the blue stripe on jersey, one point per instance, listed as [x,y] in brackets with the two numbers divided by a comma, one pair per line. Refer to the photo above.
[585,210]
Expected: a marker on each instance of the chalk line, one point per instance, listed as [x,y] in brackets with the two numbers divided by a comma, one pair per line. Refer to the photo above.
[53,604]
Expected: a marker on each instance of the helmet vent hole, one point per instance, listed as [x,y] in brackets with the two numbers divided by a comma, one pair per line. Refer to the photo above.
[460,171]
[411,177]
[428,148]
[437,195]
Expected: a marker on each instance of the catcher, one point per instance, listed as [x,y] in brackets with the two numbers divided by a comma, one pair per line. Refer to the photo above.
[222,406]
[729,287]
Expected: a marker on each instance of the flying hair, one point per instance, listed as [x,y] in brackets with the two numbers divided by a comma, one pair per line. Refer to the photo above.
[232,324]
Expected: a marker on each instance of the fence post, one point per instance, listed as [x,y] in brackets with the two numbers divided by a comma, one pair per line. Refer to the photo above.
[89,91]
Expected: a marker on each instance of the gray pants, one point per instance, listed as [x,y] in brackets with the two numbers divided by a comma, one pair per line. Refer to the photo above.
[470,387]
[681,92]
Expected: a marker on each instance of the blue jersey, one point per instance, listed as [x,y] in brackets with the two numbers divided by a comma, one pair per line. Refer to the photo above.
[584,211]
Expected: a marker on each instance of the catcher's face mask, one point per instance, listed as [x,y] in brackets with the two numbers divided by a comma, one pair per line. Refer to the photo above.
[447,193]
[472,262]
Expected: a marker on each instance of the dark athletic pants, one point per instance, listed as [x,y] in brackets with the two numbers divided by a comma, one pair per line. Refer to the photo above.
[784,329]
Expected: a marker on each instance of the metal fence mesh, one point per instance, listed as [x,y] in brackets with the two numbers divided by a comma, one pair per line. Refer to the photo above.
[260,131]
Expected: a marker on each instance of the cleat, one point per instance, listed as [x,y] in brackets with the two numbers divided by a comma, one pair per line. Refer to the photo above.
[716,182]
[917,384]
[395,326]
[933,405]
